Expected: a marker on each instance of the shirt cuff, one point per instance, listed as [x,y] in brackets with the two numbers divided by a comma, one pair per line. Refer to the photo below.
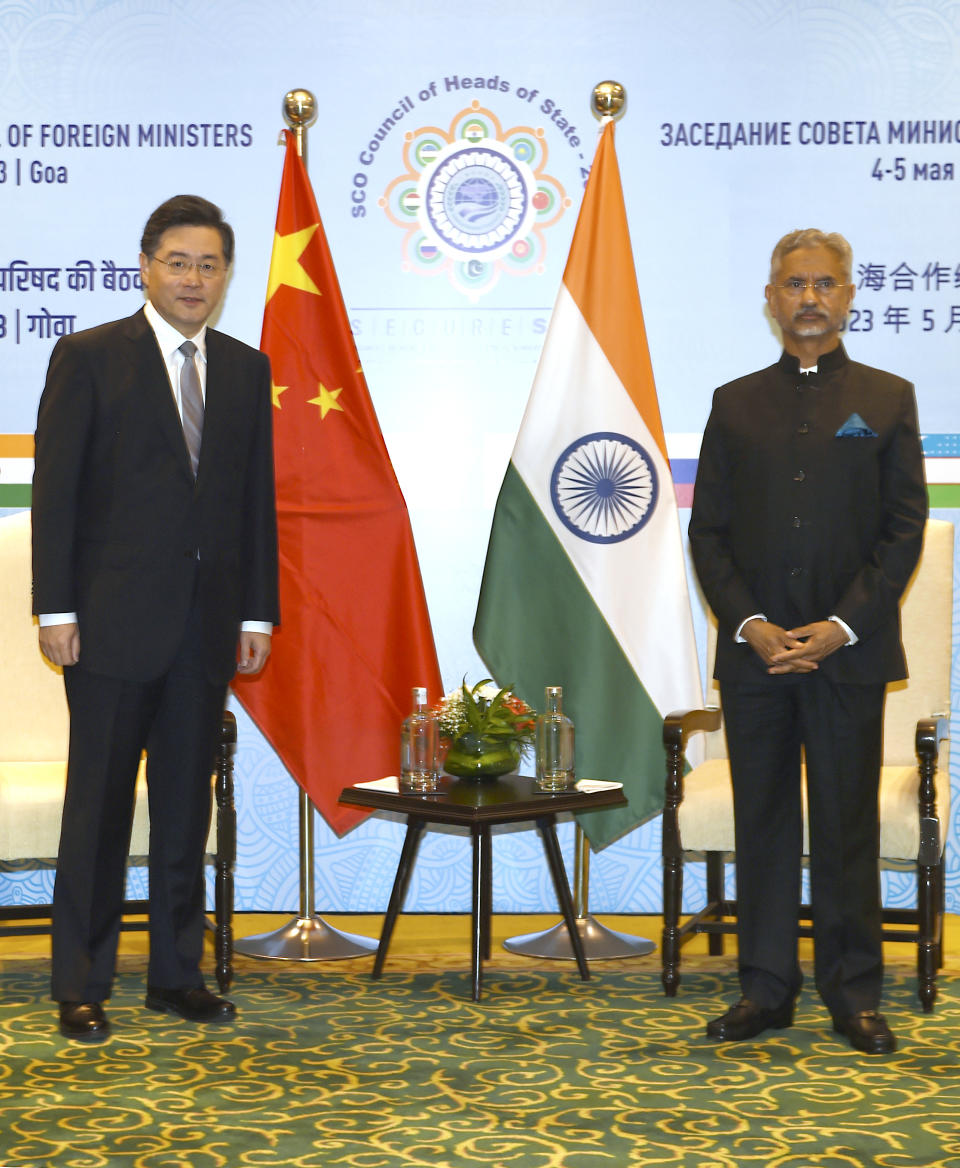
[70,618]
[853,638]
[738,635]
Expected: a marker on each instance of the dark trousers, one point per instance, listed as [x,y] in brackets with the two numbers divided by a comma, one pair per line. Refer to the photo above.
[175,718]
[840,729]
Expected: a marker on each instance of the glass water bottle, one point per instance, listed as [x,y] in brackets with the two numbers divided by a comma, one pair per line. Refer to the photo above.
[555,770]
[418,746]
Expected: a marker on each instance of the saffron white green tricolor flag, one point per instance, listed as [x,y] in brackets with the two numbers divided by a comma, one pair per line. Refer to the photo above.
[584,584]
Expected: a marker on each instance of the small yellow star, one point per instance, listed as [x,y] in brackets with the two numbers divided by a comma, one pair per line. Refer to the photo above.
[275,391]
[327,400]
[285,266]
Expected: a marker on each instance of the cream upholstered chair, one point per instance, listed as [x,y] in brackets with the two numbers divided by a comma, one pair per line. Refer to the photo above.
[33,752]
[914,786]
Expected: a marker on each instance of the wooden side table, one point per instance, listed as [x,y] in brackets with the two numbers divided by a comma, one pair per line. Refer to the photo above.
[480,806]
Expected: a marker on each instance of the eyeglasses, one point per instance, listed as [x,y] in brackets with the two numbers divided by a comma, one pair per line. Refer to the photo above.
[825,287]
[183,267]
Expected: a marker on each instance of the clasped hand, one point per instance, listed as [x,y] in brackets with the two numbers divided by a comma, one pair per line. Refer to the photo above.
[798,650]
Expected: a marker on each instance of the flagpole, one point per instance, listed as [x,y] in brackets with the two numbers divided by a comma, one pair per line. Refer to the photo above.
[608,102]
[307,937]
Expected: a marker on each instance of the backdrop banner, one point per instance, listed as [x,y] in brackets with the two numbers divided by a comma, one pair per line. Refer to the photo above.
[448,159]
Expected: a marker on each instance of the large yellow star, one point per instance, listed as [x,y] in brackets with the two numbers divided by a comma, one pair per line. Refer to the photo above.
[285,266]
[327,400]
[275,391]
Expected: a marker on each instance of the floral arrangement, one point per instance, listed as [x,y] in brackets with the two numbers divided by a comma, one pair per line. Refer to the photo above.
[486,711]
[484,729]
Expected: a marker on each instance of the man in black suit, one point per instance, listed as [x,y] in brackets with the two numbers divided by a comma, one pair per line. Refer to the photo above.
[155,558]
[807,523]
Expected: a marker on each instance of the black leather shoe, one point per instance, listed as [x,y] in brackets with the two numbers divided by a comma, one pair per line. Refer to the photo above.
[746,1020]
[196,1004]
[867,1031]
[84,1021]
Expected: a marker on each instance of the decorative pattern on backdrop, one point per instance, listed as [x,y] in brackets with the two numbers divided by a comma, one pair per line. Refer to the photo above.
[85,97]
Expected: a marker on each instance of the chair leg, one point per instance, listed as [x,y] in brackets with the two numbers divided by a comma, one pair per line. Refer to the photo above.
[226,852]
[929,924]
[942,902]
[670,940]
[715,891]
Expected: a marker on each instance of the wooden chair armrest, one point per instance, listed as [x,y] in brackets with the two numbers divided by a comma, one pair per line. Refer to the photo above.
[930,733]
[678,726]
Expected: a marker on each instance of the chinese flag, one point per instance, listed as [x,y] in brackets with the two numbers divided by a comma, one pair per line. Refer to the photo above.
[355,634]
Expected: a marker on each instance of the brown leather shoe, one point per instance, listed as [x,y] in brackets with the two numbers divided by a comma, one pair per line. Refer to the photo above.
[195,1003]
[84,1021]
[867,1031]
[746,1020]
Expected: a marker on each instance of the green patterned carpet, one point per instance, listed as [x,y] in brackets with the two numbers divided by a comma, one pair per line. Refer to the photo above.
[327,1068]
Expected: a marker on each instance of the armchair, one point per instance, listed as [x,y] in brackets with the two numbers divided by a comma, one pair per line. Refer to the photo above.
[33,752]
[914,787]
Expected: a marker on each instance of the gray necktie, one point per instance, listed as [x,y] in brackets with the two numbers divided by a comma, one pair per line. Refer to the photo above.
[191,400]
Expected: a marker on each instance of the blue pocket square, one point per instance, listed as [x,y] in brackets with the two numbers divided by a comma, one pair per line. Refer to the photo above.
[855,427]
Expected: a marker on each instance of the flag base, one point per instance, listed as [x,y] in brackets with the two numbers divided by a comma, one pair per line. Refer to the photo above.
[306,939]
[599,942]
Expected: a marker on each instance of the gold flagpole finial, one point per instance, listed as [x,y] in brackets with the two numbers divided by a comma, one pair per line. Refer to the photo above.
[608,100]
[299,110]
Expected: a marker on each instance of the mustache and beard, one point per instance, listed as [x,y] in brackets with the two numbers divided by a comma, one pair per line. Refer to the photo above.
[813,322]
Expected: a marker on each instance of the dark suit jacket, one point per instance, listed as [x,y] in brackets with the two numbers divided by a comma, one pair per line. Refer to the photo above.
[793,521]
[122,534]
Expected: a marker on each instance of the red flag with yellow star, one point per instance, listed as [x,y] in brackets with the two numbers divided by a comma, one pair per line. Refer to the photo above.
[356,634]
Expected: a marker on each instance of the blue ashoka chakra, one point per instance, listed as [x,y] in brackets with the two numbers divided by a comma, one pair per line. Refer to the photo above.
[604,487]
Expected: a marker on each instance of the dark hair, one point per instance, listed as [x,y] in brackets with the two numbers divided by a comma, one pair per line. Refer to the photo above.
[186,211]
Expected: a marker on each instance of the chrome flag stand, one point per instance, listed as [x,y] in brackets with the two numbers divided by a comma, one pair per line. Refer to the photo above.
[307,937]
[599,942]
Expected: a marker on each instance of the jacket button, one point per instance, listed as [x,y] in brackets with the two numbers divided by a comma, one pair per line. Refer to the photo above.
[799,476]
[795,571]
[803,428]
[797,521]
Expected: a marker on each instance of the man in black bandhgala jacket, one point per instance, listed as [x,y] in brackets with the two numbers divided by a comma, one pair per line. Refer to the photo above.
[807,523]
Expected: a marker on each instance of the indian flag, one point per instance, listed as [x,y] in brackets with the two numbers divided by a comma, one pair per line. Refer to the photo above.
[16,470]
[584,584]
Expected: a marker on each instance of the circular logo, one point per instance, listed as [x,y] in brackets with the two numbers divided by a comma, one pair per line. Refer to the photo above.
[476,200]
[604,487]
